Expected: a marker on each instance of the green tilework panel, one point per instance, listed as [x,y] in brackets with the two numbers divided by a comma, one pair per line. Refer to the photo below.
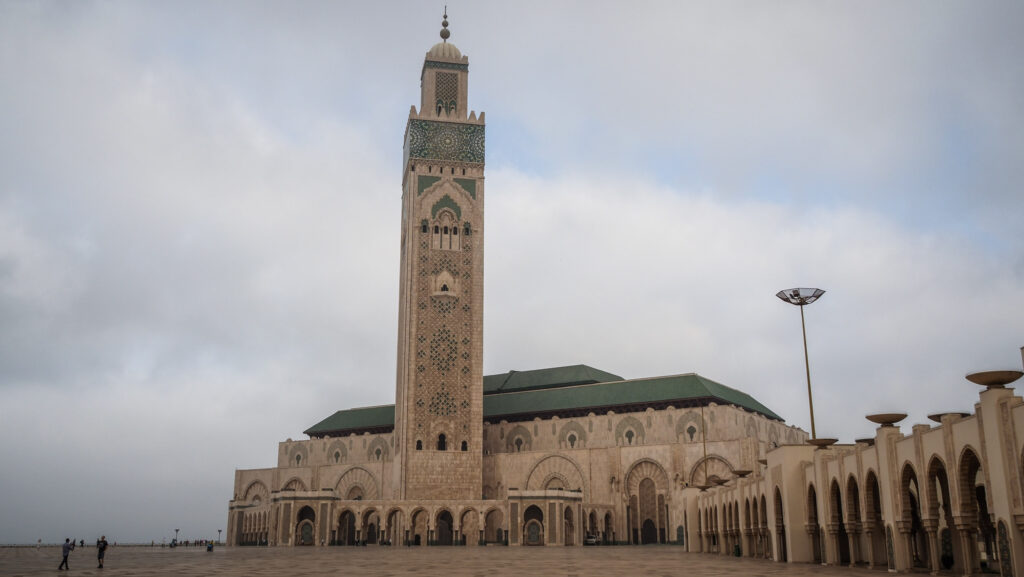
[446,202]
[425,182]
[469,184]
[436,140]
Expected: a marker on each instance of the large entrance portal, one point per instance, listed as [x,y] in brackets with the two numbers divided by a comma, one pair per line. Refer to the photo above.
[533,526]
[304,534]
[648,533]
[444,529]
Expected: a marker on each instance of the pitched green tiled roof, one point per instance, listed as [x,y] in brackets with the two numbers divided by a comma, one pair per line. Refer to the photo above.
[361,419]
[545,379]
[600,397]
[528,399]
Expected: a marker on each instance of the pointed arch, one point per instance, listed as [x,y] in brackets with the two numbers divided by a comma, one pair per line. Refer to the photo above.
[357,477]
[256,489]
[557,466]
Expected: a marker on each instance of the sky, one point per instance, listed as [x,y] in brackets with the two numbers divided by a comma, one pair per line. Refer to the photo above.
[200,219]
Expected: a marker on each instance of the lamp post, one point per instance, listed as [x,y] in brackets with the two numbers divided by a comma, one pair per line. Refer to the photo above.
[176,535]
[801,297]
[218,535]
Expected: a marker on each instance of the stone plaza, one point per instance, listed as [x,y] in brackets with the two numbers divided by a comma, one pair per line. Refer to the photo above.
[370,561]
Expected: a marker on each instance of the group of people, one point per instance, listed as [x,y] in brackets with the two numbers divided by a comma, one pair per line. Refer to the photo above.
[69,546]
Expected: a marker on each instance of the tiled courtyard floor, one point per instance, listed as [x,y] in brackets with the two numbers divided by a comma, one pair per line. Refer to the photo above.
[653,561]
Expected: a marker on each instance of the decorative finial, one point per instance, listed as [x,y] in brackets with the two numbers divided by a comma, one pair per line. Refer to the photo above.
[445,33]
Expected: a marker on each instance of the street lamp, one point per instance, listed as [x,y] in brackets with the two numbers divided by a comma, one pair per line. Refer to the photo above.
[218,535]
[176,535]
[801,297]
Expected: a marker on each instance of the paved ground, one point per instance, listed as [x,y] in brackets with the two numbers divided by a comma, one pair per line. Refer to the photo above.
[655,561]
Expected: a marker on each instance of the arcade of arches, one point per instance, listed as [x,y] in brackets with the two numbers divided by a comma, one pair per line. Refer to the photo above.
[945,497]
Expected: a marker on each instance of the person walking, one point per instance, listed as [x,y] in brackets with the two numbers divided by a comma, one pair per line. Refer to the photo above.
[66,550]
[101,549]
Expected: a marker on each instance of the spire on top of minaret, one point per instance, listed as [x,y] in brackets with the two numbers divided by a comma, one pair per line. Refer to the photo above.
[443,50]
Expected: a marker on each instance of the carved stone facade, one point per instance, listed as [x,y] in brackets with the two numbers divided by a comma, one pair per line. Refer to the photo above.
[547,457]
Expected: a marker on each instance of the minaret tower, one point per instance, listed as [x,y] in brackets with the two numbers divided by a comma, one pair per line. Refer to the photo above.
[439,396]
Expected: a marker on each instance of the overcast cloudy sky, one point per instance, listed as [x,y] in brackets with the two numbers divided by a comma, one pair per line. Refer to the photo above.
[199,220]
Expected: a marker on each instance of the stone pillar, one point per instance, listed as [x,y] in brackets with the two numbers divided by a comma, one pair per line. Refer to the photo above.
[969,545]
[931,529]
[853,534]
[869,532]
[831,556]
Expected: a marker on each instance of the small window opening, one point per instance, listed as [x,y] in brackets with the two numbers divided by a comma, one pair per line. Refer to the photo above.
[446,230]
[455,230]
[572,441]
[298,460]
[466,230]
[423,228]
[337,456]
[412,167]
[629,437]
[519,444]
[465,446]
[437,229]
[419,445]
[463,171]
[442,442]
[444,288]
[430,169]
[440,106]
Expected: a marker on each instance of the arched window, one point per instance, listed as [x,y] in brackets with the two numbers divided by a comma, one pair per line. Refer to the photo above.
[378,453]
[519,444]
[442,442]
[437,229]
[444,288]
[466,230]
[465,446]
[629,437]
[440,106]
[572,441]
[298,460]
[455,230]
[423,227]
[419,445]
[337,456]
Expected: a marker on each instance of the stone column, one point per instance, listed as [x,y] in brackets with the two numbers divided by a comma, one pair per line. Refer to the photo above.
[931,529]
[969,545]
[869,532]
[853,533]
[831,556]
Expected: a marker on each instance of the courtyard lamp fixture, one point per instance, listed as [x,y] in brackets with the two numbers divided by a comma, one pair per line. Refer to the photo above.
[801,297]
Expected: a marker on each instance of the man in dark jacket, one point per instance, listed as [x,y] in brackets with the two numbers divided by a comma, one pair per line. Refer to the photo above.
[66,550]
[101,549]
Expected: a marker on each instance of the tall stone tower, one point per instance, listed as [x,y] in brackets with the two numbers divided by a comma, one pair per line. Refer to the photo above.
[439,397]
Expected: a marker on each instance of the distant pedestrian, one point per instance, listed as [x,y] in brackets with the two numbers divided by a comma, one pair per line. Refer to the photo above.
[66,550]
[101,549]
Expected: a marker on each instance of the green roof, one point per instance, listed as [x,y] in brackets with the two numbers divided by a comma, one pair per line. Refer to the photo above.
[531,396]
[599,397]
[546,379]
[362,419]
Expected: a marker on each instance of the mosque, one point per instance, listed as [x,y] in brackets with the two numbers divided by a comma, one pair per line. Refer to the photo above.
[576,455]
